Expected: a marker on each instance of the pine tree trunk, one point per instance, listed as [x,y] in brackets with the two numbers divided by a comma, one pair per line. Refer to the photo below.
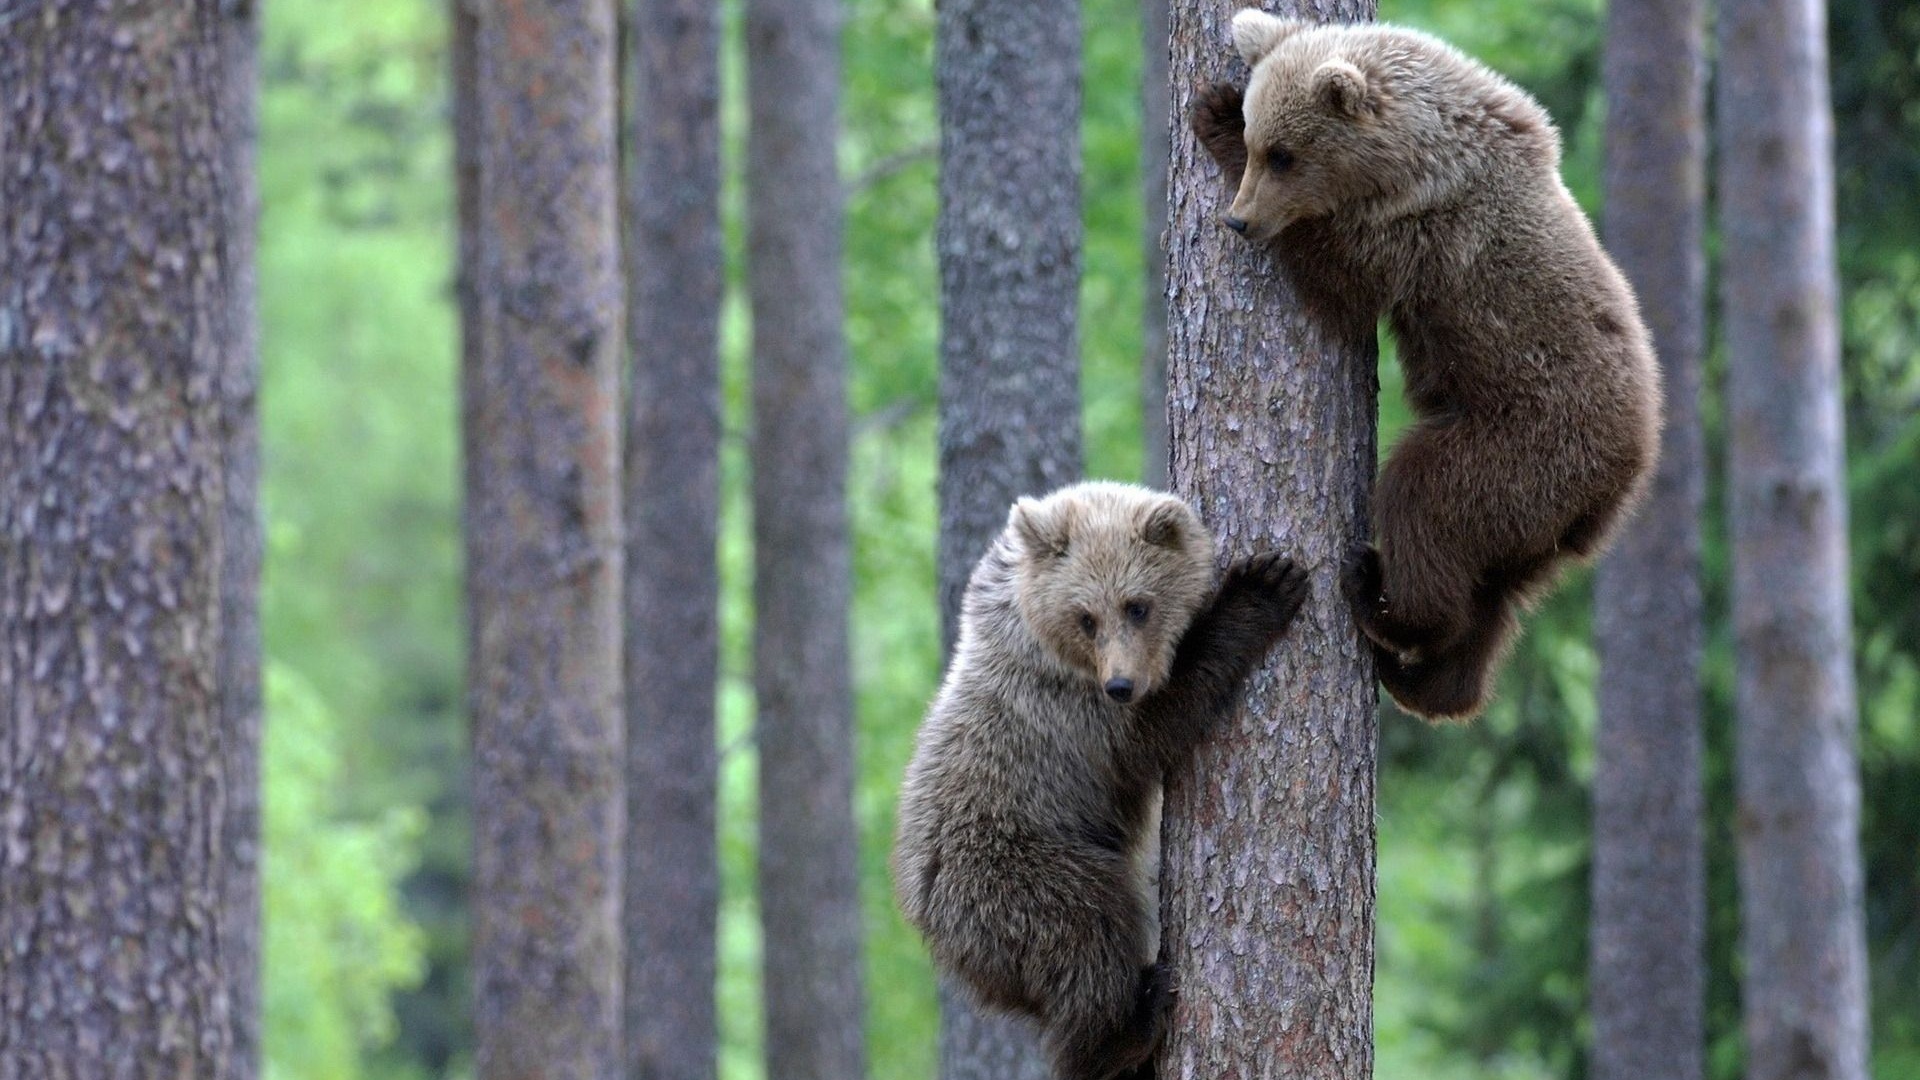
[542,343]
[1009,247]
[1647,976]
[809,857]
[1155,148]
[1802,927]
[1267,871]
[241,539]
[115,337]
[672,505]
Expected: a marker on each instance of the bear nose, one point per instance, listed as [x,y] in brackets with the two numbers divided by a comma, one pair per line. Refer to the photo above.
[1236,224]
[1120,690]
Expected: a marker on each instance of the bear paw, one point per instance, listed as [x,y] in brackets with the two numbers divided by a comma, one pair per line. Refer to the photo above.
[1270,586]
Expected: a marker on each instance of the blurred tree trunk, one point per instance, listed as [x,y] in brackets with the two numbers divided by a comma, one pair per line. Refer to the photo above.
[1154,150]
[809,853]
[241,538]
[1802,928]
[115,339]
[1267,876]
[1009,246]
[542,343]
[1648,973]
[674,282]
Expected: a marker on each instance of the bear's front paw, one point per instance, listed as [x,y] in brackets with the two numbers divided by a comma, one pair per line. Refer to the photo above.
[1270,586]
[1221,125]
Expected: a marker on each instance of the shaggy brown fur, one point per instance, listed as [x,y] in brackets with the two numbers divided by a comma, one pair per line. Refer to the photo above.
[1391,174]
[1029,816]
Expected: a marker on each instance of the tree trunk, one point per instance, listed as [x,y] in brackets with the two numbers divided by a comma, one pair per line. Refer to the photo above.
[1268,866]
[1155,148]
[1647,976]
[542,345]
[1009,246]
[675,279]
[1802,932]
[115,324]
[809,855]
[241,539]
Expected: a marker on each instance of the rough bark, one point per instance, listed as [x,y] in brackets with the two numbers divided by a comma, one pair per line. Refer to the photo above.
[1154,151]
[809,873]
[1647,976]
[241,539]
[674,278]
[1267,874]
[1798,782]
[1009,248]
[542,343]
[114,340]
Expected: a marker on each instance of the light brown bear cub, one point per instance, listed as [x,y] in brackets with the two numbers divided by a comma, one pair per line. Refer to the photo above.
[1094,654]
[1391,174]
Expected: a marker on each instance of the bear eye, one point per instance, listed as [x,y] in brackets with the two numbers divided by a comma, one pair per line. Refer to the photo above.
[1137,610]
[1087,625]
[1279,160]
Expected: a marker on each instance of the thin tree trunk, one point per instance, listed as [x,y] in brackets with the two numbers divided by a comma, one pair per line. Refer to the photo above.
[543,544]
[1648,970]
[675,278]
[1009,246]
[241,537]
[1802,928]
[809,857]
[1267,875]
[115,325]
[1155,148]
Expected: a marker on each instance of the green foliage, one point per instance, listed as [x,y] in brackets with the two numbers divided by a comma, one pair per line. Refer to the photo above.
[337,943]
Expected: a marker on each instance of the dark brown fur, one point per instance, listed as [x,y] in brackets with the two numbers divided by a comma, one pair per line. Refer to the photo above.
[1419,185]
[1032,795]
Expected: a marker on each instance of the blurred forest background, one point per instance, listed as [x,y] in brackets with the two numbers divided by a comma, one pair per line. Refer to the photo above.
[1483,830]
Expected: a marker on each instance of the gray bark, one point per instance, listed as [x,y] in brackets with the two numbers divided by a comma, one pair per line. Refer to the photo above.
[1647,977]
[1009,248]
[542,344]
[115,324]
[241,539]
[1798,781]
[809,858]
[1267,872]
[675,279]
[1155,148]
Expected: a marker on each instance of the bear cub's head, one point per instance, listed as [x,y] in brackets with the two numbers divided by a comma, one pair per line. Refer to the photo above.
[1109,578]
[1376,119]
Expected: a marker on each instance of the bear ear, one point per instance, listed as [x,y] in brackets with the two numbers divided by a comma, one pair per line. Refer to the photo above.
[1044,531]
[1255,33]
[1342,89]
[1166,525]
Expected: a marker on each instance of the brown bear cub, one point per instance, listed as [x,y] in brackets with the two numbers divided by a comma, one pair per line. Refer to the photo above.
[1094,654]
[1391,174]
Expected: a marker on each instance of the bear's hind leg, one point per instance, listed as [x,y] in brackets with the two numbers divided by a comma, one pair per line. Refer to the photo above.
[1096,1048]
[1456,684]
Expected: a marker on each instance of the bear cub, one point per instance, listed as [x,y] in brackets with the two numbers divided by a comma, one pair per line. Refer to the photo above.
[1094,654]
[1390,174]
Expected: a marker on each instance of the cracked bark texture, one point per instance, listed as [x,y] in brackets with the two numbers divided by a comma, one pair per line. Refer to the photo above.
[115,319]
[1647,975]
[1009,241]
[674,282]
[1802,934]
[542,342]
[1155,147]
[1267,871]
[809,855]
[240,687]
